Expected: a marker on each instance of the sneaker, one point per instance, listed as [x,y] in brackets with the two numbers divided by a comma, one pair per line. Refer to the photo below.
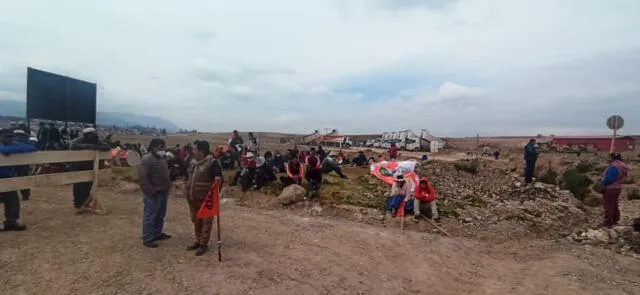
[193,247]
[162,237]
[415,218]
[150,244]
[201,250]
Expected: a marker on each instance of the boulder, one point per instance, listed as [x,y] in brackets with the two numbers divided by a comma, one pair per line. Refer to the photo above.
[292,194]
[598,236]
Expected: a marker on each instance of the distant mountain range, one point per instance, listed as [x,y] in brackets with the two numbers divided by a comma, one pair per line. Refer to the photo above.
[16,108]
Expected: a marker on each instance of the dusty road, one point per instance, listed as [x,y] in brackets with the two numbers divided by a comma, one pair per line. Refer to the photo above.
[279,252]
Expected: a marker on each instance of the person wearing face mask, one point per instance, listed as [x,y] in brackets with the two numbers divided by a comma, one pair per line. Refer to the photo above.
[155,183]
[88,141]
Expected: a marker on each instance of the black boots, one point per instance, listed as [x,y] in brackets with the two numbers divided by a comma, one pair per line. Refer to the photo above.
[13,226]
[200,249]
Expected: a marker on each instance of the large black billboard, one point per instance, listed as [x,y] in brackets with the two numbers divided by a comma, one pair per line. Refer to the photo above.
[59,98]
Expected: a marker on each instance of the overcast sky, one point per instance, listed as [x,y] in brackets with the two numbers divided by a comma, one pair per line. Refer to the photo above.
[454,67]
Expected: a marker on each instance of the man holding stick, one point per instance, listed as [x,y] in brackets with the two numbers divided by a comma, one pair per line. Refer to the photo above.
[203,172]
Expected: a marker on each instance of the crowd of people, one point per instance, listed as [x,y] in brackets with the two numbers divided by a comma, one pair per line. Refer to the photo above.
[201,167]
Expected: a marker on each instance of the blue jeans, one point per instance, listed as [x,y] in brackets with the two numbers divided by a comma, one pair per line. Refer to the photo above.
[155,209]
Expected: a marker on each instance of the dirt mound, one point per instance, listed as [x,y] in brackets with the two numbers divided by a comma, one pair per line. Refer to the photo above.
[487,198]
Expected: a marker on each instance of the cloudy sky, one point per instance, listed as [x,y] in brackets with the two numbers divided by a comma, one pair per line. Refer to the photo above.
[454,67]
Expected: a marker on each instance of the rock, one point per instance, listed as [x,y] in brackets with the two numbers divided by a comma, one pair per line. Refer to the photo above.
[623,230]
[292,194]
[467,220]
[598,236]
[613,236]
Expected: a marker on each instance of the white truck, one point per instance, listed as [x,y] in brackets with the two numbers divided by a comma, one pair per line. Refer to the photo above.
[408,141]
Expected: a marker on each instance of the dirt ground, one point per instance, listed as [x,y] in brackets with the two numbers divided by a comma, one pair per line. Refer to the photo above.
[282,252]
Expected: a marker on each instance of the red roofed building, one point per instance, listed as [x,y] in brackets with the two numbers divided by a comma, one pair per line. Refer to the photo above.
[600,143]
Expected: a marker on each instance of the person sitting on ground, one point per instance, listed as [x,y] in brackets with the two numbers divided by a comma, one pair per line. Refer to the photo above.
[381,158]
[496,155]
[329,165]
[400,191]
[360,160]
[279,163]
[321,153]
[264,172]
[294,173]
[247,168]
[424,197]
[268,159]
[313,177]
[372,161]
[312,157]
[302,157]
[11,199]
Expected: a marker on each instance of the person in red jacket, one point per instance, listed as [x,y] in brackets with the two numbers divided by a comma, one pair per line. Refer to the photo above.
[424,197]
[393,152]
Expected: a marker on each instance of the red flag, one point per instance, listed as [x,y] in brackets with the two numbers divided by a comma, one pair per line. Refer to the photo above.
[211,204]
[400,212]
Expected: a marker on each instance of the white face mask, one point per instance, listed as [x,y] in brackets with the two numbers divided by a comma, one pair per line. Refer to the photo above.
[160,153]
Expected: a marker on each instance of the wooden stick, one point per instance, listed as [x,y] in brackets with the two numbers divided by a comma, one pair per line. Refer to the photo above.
[219,242]
[436,226]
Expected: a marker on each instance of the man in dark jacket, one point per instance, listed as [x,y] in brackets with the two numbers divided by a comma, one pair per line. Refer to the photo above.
[530,158]
[236,142]
[43,135]
[155,183]
[360,160]
[329,165]
[10,199]
[88,141]
[53,137]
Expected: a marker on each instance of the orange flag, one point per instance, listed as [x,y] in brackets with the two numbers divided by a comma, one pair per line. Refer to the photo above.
[211,204]
[400,211]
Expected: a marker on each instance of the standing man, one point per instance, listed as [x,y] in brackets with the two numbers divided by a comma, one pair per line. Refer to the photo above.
[10,199]
[612,180]
[155,183]
[203,172]
[88,141]
[530,158]
[53,137]
[43,136]
[22,138]
[236,142]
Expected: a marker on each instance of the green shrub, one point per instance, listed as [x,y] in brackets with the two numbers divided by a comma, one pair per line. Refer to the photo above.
[584,167]
[577,183]
[633,193]
[471,166]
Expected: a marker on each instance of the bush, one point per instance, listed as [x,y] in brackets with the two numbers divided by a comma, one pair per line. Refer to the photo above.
[549,177]
[633,193]
[470,166]
[584,167]
[577,183]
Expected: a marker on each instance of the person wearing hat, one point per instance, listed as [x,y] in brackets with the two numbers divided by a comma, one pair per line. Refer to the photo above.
[155,183]
[203,172]
[611,181]
[247,171]
[11,199]
[88,141]
[400,191]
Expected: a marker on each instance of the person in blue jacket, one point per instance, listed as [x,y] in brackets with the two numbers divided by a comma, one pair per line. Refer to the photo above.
[10,199]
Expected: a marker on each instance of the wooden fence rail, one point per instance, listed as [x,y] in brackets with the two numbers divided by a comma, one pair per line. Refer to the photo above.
[63,178]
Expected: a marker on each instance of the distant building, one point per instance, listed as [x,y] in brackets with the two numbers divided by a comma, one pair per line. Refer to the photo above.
[599,143]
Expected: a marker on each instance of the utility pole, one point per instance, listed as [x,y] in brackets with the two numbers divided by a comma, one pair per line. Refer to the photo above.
[477,140]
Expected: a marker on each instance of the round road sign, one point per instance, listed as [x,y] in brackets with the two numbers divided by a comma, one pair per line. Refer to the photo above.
[615,122]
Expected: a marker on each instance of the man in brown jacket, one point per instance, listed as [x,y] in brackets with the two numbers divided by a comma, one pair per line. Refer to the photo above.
[155,183]
[203,172]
